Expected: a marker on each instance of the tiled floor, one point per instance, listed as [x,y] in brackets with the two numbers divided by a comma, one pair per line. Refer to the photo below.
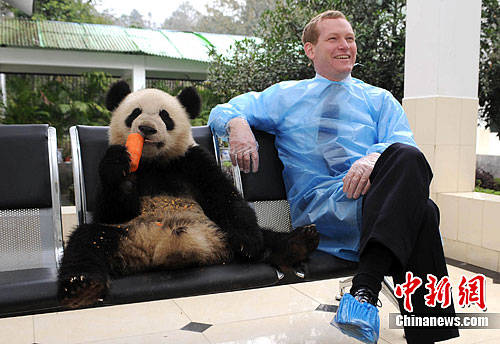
[286,314]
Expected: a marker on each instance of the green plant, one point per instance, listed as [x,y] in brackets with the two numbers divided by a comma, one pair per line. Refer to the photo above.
[485,180]
[278,56]
[55,100]
[79,11]
[489,65]
[488,191]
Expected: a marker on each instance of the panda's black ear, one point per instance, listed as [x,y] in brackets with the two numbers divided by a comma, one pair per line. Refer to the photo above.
[117,92]
[190,99]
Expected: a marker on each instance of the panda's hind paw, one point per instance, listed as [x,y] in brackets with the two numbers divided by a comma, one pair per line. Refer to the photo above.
[296,248]
[81,290]
[307,235]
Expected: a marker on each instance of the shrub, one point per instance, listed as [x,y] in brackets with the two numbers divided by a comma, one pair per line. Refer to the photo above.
[485,180]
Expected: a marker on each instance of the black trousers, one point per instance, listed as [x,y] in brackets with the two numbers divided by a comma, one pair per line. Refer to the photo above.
[398,213]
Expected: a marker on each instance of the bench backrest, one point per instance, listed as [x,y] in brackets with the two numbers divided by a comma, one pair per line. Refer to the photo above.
[266,189]
[30,211]
[88,145]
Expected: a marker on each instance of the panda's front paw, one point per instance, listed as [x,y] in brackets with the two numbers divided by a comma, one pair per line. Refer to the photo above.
[81,290]
[115,165]
[247,246]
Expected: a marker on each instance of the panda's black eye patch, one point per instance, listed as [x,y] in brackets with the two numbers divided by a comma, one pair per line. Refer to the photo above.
[132,117]
[169,122]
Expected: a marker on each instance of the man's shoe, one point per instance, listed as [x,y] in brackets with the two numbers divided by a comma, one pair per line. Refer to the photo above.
[366,295]
[357,316]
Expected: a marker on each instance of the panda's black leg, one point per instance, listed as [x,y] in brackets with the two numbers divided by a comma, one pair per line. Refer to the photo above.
[246,243]
[288,250]
[245,237]
[84,271]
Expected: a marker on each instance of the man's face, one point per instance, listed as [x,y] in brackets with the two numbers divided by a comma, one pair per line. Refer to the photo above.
[334,54]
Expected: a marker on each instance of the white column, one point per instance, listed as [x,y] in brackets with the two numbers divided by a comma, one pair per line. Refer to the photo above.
[136,76]
[441,84]
[3,88]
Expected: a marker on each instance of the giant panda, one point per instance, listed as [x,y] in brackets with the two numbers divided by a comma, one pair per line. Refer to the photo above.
[177,210]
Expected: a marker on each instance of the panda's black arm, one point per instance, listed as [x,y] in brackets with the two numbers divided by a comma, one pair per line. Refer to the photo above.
[218,197]
[117,198]
[222,203]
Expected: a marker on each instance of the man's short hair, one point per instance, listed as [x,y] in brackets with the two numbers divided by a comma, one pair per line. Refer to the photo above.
[310,33]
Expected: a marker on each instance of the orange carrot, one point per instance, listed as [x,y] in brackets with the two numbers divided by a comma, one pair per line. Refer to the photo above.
[134,144]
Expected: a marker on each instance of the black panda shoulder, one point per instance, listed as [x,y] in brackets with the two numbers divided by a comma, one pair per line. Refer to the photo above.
[198,157]
[197,151]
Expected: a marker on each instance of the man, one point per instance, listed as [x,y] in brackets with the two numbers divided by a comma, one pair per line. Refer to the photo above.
[340,139]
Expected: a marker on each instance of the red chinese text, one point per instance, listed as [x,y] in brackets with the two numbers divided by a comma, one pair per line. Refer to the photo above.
[407,289]
[472,291]
[439,292]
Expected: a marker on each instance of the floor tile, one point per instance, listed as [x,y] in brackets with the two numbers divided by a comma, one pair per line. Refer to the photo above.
[245,305]
[327,308]
[109,322]
[17,330]
[456,273]
[320,291]
[476,337]
[493,298]
[171,337]
[284,314]
[381,341]
[393,336]
[302,328]
[494,341]
[196,327]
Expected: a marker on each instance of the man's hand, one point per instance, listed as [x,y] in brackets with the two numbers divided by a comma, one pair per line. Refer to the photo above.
[357,180]
[243,148]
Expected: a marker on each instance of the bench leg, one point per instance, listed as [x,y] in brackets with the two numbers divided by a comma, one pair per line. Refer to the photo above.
[344,284]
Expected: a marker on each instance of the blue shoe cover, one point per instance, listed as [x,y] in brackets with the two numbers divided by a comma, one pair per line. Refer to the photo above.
[357,320]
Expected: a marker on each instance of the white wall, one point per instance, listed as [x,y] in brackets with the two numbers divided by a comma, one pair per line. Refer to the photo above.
[443,55]
[487,143]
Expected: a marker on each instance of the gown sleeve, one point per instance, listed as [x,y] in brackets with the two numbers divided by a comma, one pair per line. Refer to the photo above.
[260,109]
[392,123]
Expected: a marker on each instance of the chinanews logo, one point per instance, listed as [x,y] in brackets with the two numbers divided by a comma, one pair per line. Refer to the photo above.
[471,293]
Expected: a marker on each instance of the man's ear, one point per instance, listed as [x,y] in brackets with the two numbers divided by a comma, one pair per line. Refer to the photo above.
[309,50]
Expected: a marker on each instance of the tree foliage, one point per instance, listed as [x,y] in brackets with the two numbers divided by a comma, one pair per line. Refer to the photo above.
[489,65]
[134,19]
[223,16]
[55,101]
[78,11]
[380,34]
[184,18]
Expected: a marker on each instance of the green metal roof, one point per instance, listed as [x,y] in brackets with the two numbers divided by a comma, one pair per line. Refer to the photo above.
[46,34]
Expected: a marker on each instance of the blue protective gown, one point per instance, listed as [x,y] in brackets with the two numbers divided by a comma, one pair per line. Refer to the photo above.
[322,127]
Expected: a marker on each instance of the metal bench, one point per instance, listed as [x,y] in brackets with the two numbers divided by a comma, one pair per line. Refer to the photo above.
[30,286]
[264,189]
[30,219]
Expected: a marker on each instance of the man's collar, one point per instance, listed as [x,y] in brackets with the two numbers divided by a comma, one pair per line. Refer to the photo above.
[348,79]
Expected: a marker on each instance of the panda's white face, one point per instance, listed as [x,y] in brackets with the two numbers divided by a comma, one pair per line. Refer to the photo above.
[158,117]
